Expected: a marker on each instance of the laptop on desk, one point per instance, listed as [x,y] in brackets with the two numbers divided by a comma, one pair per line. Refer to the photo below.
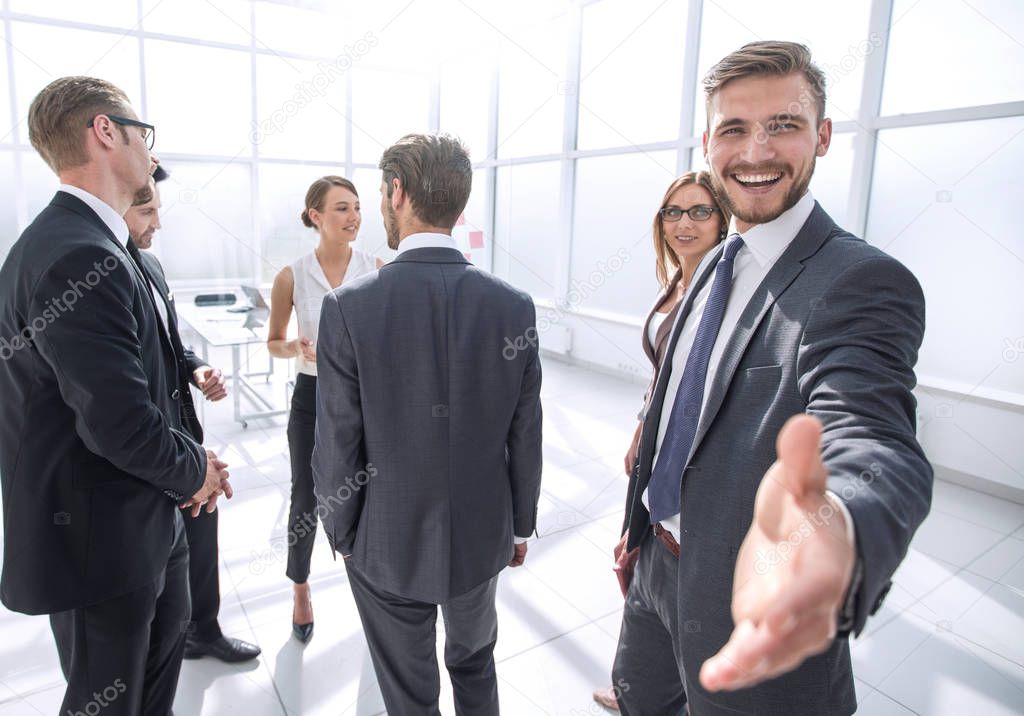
[254,302]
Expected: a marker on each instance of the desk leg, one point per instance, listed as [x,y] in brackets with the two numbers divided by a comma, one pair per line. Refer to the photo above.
[236,383]
[205,347]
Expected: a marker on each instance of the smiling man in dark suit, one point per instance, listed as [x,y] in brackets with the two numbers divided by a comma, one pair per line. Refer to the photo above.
[778,469]
[92,466]
[204,635]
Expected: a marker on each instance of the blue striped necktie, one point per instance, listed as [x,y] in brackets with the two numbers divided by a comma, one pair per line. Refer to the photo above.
[663,491]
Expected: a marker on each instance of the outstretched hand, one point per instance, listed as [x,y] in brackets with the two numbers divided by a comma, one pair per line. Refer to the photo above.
[792,572]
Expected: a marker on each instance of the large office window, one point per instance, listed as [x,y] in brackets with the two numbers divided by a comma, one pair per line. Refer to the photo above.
[577,115]
[531,91]
[385,106]
[206,226]
[45,53]
[631,72]
[197,116]
[951,217]
[300,110]
[613,254]
[839,39]
[526,241]
[982,67]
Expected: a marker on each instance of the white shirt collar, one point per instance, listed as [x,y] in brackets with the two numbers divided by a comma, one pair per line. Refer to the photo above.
[108,215]
[426,240]
[767,241]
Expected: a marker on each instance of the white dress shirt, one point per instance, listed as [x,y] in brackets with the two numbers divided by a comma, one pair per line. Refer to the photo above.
[115,222]
[108,215]
[310,285]
[762,246]
[426,240]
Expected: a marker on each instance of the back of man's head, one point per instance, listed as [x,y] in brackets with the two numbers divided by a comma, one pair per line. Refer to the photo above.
[434,171]
[61,112]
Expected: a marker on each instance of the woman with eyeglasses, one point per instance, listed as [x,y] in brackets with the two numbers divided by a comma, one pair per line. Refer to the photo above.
[689,224]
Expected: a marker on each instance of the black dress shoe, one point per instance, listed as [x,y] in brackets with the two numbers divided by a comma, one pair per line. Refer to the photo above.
[225,648]
[303,632]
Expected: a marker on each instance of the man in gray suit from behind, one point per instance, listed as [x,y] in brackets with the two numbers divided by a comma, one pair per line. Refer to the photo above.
[778,470]
[428,437]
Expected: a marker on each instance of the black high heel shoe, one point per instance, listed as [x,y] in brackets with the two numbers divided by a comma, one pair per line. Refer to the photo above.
[302,632]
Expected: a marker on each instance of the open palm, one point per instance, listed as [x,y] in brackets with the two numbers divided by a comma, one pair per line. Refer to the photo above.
[792,572]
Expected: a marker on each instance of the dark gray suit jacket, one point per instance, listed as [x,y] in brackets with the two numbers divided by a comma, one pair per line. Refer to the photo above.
[91,462]
[428,430]
[832,331]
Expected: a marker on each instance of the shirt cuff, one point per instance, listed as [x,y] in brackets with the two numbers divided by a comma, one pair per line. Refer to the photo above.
[851,533]
[520,540]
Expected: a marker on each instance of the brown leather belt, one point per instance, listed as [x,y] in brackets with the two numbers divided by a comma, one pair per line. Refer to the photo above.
[666,538]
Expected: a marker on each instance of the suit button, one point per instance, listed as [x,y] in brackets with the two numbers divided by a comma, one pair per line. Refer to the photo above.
[176,394]
[439,411]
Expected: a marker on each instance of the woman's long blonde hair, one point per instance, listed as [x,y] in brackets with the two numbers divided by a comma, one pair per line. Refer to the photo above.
[667,263]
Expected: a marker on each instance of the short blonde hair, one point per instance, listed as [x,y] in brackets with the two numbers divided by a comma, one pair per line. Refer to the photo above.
[767,57]
[59,115]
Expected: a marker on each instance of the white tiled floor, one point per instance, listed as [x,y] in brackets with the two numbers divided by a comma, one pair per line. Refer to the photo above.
[949,640]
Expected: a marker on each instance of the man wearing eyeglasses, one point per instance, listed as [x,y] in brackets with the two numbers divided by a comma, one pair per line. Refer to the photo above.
[91,466]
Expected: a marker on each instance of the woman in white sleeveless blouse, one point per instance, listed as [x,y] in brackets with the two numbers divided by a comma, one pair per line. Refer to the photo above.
[688,225]
[332,209]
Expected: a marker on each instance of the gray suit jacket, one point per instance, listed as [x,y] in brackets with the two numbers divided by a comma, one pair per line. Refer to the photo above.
[832,331]
[428,429]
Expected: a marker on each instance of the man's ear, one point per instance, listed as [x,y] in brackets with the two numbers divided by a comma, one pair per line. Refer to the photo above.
[397,194]
[105,131]
[824,137]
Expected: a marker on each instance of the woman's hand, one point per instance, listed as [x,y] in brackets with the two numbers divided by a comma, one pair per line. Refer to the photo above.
[630,460]
[304,347]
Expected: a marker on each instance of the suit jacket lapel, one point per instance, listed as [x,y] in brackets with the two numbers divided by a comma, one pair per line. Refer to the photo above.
[662,334]
[73,203]
[651,351]
[149,284]
[811,236]
[150,268]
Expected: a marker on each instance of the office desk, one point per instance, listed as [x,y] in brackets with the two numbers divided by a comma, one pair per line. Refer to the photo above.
[215,326]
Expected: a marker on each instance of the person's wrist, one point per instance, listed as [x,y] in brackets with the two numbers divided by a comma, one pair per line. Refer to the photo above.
[847,608]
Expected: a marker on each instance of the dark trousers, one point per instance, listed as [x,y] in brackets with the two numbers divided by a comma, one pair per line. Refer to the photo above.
[203,573]
[647,673]
[302,517]
[123,656]
[403,646]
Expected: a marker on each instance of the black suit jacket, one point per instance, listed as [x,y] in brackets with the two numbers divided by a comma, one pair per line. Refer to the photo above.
[833,330]
[185,360]
[91,466]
